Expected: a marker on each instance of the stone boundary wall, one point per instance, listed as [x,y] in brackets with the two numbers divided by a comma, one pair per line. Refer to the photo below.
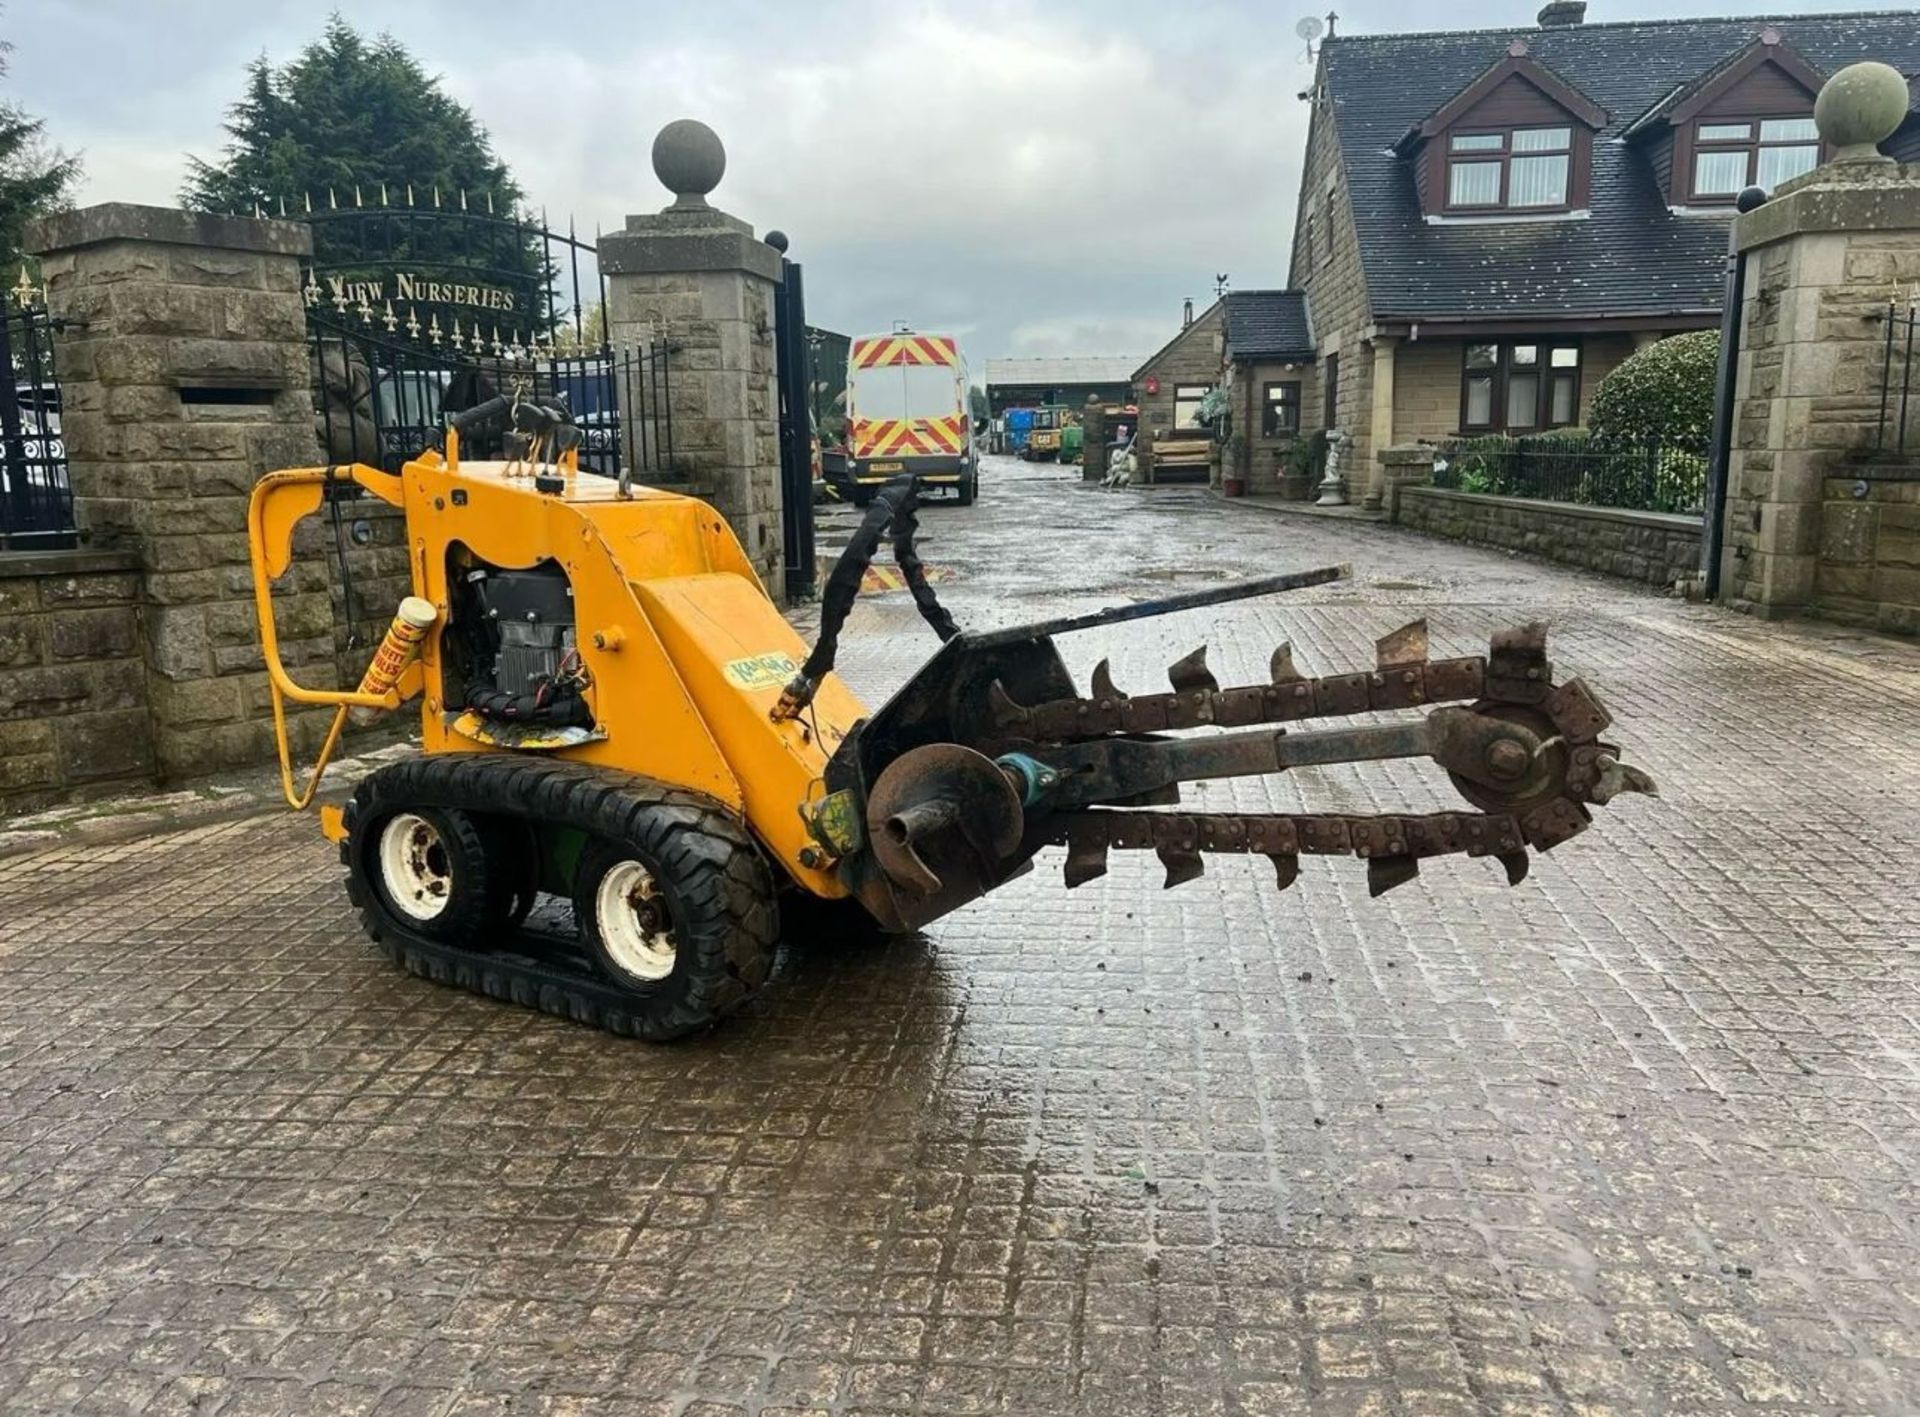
[1869,568]
[1655,548]
[74,716]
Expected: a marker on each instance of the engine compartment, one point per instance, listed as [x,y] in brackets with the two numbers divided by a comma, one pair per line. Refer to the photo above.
[511,645]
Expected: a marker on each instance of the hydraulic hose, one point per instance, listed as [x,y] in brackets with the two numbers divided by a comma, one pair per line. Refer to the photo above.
[893,506]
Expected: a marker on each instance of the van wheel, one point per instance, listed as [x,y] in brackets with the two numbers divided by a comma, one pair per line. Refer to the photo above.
[967,490]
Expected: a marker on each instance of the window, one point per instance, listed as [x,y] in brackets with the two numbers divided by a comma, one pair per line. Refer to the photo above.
[1306,237]
[1282,416]
[1330,382]
[1186,404]
[1731,155]
[1326,243]
[1520,168]
[1521,386]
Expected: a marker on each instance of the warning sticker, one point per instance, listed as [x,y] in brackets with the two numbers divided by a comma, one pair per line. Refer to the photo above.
[763,671]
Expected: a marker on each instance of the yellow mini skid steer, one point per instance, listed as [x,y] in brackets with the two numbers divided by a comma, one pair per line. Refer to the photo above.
[613,712]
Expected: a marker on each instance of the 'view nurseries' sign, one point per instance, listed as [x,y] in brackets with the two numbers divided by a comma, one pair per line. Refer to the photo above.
[407,286]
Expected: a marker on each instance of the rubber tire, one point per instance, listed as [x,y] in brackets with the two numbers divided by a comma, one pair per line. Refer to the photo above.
[480,895]
[967,491]
[731,891]
[711,885]
[862,496]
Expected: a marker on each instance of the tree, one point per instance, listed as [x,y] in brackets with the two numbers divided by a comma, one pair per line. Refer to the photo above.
[977,401]
[348,119]
[34,179]
[346,113]
[1664,392]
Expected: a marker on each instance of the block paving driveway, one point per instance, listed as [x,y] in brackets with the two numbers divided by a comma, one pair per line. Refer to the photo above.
[1636,1136]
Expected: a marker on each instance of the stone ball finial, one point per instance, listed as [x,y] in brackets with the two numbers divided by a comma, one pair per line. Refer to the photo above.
[777,239]
[689,160]
[1858,108]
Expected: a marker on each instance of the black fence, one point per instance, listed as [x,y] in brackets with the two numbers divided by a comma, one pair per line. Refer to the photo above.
[1896,380]
[383,401]
[1589,470]
[36,502]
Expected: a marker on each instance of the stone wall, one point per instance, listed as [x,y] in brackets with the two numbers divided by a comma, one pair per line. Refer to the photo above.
[184,377]
[1427,380]
[1336,290]
[1263,460]
[1195,356]
[1869,570]
[1652,547]
[73,688]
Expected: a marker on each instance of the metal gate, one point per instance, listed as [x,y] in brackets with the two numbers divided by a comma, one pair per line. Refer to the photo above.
[36,501]
[418,311]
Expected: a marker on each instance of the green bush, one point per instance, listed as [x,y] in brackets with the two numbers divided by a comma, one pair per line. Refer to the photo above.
[1308,457]
[1664,392]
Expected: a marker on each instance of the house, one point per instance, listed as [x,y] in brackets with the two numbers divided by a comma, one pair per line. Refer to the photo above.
[1490,221]
[1258,344]
[1036,383]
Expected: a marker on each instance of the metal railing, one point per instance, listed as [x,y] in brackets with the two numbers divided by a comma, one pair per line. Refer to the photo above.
[1587,470]
[1896,376]
[383,401]
[36,500]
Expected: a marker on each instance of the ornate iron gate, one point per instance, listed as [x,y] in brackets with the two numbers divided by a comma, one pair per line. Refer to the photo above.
[36,502]
[419,311]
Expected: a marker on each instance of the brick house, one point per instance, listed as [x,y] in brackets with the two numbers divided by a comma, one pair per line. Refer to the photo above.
[1259,344]
[1490,221]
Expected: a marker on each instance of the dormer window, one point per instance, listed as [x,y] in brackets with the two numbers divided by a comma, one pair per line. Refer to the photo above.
[1729,155]
[1521,168]
[1516,142]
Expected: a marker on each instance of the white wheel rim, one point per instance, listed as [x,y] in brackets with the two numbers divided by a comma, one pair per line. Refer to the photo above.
[632,916]
[414,867]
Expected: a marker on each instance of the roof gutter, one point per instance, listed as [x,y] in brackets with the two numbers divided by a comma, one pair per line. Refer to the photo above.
[1445,326]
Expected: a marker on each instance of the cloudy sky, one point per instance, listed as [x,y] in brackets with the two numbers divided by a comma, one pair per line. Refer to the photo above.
[1041,178]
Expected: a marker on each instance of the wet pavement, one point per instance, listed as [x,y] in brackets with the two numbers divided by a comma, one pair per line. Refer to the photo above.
[1636,1136]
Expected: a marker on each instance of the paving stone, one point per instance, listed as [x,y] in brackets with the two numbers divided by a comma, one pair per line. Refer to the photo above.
[1636,1136]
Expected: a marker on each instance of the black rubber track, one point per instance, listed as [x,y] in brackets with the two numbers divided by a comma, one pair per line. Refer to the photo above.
[726,917]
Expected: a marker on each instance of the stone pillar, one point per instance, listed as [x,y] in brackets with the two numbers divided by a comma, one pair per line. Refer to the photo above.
[184,377]
[1824,258]
[1381,423]
[1409,464]
[696,278]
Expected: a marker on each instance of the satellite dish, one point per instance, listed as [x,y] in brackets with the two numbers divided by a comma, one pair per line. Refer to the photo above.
[1309,29]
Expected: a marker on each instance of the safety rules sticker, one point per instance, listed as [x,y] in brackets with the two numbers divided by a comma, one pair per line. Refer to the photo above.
[763,671]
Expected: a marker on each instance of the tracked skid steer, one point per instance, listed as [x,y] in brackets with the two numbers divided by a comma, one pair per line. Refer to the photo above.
[614,713]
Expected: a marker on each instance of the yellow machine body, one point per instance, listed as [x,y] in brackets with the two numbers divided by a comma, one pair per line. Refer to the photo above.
[684,653]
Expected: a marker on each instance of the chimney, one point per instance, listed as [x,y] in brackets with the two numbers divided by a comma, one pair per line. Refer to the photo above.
[1186,313]
[1561,14]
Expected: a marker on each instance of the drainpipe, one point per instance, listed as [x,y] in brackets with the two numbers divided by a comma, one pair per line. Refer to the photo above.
[1719,454]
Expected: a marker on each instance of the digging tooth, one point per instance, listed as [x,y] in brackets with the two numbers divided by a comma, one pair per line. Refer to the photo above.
[1103,682]
[1086,859]
[1617,777]
[1182,865]
[1286,868]
[1406,645]
[1280,666]
[1191,673]
[1003,707]
[1516,863]
[1386,872]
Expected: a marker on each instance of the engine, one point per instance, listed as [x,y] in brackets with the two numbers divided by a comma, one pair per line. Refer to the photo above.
[520,658]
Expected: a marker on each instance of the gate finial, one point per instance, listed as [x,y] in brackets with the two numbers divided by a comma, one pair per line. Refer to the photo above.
[689,159]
